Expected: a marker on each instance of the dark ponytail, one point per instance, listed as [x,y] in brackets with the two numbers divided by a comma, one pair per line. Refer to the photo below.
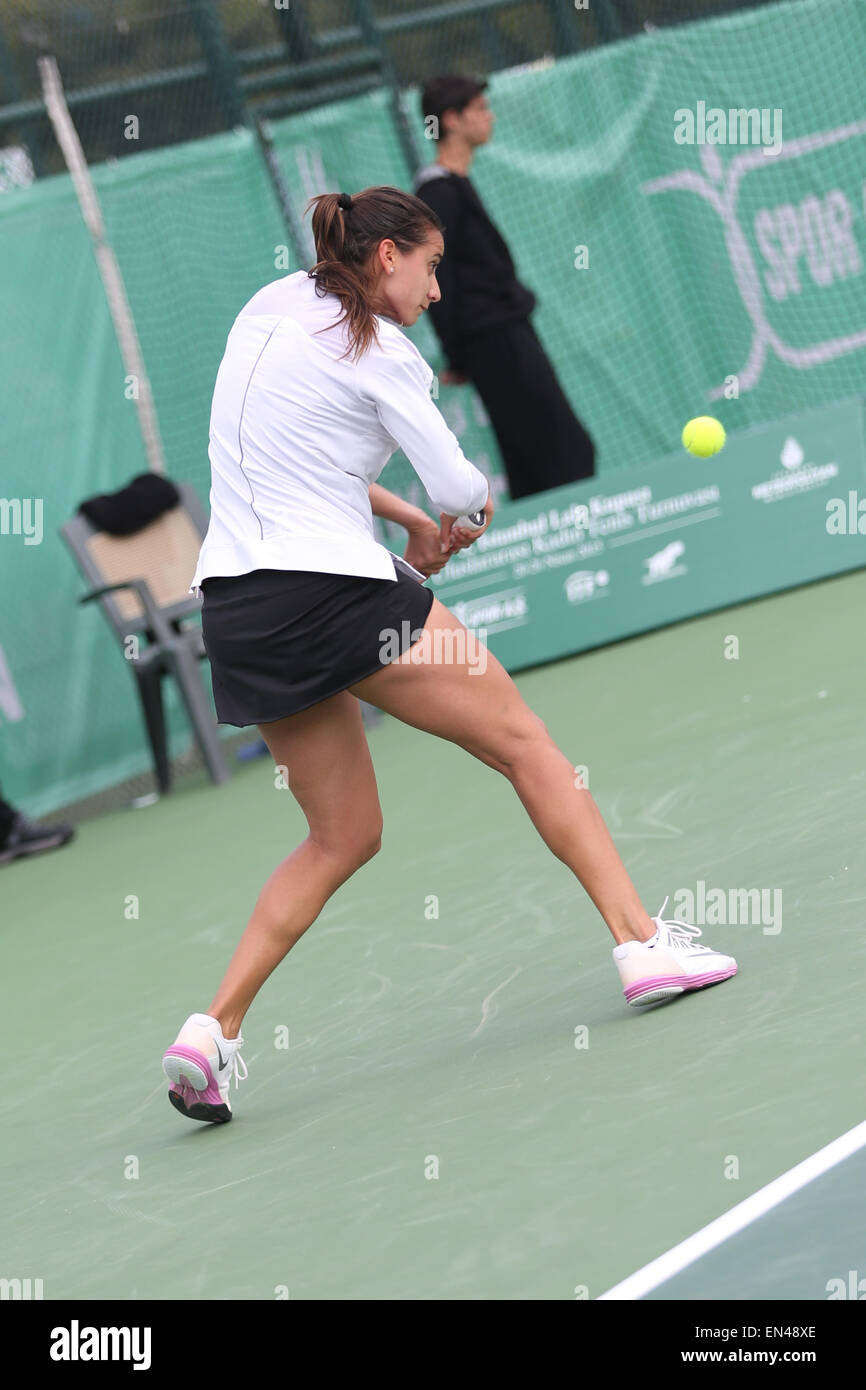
[347,231]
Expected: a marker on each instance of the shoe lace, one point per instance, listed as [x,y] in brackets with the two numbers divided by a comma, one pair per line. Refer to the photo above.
[679,934]
[237,1062]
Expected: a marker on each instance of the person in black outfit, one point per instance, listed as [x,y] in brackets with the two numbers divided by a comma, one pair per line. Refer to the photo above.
[19,836]
[482,319]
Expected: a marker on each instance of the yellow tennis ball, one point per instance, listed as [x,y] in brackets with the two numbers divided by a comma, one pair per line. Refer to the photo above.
[704,436]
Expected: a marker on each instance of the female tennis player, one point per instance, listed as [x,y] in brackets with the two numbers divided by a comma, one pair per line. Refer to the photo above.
[305,614]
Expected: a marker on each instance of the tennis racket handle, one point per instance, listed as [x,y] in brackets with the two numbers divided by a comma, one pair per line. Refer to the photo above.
[472,521]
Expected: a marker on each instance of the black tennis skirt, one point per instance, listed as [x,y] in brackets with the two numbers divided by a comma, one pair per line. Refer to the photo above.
[279,641]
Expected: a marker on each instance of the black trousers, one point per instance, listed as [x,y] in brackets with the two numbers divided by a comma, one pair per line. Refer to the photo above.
[543,444]
[7,816]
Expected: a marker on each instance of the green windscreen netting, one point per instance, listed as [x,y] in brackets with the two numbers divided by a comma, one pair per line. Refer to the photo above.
[687,203]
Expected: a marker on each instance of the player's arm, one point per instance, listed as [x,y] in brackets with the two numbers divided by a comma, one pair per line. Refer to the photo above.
[398,384]
[424,550]
[393,508]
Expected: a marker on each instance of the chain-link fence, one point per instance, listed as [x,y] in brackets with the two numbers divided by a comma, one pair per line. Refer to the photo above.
[142,74]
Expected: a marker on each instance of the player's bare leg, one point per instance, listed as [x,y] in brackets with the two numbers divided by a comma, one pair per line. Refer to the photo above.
[328,767]
[330,773]
[438,685]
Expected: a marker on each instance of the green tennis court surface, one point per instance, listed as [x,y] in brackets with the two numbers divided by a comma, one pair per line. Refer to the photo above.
[418,1042]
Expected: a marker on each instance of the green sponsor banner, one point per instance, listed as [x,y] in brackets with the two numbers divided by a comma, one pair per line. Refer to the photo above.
[588,564]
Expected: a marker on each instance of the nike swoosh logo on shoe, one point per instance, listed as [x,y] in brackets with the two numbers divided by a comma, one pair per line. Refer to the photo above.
[219,1054]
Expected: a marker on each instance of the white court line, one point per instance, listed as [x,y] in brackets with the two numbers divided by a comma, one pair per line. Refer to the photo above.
[740,1216]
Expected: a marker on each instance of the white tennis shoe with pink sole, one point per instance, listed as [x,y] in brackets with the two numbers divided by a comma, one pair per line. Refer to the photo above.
[200,1065]
[670,963]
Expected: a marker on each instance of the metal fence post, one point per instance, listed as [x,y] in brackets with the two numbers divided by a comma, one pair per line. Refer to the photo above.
[370,31]
[294,30]
[492,44]
[291,221]
[608,24]
[220,61]
[564,27]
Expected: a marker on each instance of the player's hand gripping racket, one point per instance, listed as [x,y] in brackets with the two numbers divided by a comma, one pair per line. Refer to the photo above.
[470,524]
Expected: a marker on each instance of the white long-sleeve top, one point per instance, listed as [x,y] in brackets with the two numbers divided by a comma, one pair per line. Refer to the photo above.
[298,432]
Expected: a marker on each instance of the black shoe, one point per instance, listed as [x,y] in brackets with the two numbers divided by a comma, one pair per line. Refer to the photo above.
[26,838]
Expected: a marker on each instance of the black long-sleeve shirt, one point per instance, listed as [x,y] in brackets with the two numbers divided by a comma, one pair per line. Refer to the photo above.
[480,289]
